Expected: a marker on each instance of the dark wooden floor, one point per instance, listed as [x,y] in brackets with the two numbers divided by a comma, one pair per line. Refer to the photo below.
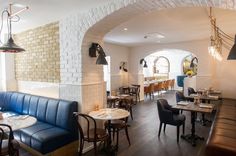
[144,133]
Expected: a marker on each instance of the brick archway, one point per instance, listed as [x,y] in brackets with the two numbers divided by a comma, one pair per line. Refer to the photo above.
[81,78]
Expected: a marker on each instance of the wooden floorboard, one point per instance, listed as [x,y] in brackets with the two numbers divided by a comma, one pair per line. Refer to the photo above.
[144,129]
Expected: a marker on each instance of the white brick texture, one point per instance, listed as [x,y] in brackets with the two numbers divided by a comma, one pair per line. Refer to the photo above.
[78,31]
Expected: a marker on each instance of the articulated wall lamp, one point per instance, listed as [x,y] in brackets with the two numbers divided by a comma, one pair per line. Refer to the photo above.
[192,62]
[10,46]
[145,63]
[123,66]
[97,49]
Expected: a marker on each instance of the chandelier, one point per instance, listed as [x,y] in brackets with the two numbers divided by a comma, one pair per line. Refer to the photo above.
[218,40]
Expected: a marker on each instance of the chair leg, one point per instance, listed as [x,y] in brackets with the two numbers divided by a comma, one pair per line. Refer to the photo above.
[117,139]
[81,147]
[160,129]
[177,133]
[164,128]
[183,127]
[131,112]
[127,135]
[95,148]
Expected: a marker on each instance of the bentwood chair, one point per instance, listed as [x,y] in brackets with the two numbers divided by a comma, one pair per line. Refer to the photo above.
[167,116]
[138,91]
[89,132]
[117,126]
[9,146]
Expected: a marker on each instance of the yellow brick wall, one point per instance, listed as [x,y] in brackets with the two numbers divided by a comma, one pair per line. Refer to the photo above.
[41,60]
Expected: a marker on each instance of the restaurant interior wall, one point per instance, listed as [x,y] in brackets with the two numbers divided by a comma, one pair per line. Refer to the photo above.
[118,54]
[175,58]
[37,70]
[211,73]
[198,48]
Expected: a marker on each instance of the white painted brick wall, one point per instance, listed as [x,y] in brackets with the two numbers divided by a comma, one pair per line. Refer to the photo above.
[78,31]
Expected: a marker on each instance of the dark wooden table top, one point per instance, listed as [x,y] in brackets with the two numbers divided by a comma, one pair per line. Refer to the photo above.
[195,107]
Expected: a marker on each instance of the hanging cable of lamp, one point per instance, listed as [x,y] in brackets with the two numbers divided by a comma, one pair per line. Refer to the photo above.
[10,45]
[218,40]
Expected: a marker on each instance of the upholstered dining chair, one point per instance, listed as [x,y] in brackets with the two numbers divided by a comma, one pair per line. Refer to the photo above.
[9,146]
[167,116]
[89,131]
[117,126]
[180,97]
[191,91]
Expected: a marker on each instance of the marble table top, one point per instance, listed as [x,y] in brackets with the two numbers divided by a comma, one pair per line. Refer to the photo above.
[17,122]
[109,114]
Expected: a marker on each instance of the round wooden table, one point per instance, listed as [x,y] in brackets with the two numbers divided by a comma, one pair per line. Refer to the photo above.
[17,121]
[109,114]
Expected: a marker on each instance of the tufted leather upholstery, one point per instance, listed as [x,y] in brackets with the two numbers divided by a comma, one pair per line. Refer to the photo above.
[222,139]
[55,127]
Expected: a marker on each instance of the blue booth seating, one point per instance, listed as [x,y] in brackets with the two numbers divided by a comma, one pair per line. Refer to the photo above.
[55,126]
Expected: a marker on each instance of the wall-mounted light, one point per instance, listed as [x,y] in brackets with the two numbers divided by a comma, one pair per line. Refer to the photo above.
[97,49]
[144,63]
[192,62]
[123,66]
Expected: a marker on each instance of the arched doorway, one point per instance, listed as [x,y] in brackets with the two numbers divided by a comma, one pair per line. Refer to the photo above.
[78,71]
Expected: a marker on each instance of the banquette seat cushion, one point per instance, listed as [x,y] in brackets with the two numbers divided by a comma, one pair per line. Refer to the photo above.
[55,126]
[222,140]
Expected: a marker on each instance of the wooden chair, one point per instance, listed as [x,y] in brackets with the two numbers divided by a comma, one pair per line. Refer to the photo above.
[172,84]
[127,104]
[135,92]
[158,87]
[117,126]
[9,146]
[124,90]
[167,115]
[89,132]
[149,90]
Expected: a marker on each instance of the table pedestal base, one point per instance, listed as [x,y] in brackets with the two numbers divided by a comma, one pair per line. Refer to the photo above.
[192,138]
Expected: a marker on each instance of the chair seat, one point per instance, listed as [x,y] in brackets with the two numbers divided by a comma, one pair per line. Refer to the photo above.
[117,124]
[178,119]
[101,134]
[43,137]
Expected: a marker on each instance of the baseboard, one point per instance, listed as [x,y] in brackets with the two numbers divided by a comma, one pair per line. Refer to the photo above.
[67,150]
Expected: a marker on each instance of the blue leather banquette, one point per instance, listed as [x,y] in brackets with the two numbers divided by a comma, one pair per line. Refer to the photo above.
[55,125]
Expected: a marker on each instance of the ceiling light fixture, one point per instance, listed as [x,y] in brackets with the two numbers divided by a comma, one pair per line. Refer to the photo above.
[218,40]
[10,46]
[125,29]
[154,35]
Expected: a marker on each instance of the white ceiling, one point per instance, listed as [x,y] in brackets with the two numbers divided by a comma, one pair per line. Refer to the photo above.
[177,25]
[45,11]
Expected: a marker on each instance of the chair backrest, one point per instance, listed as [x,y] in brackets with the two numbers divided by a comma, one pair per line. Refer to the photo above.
[191,91]
[179,96]
[164,110]
[172,84]
[89,123]
[6,130]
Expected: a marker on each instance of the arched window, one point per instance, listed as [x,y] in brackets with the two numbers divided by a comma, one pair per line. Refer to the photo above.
[161,67]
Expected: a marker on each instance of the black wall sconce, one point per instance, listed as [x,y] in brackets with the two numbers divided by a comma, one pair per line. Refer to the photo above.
[192,62]
[97,49]
[145,63]
[123,66]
